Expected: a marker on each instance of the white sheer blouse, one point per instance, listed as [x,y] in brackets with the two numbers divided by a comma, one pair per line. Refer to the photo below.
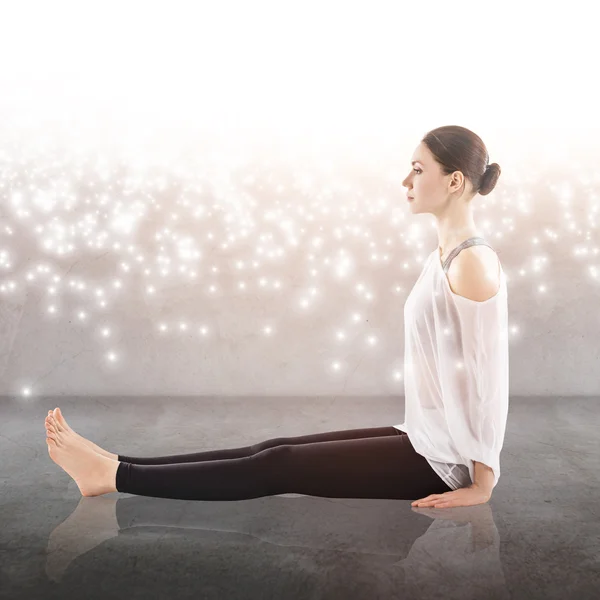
[456,373]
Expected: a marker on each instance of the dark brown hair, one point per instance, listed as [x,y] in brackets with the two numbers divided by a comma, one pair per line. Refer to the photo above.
[458,149]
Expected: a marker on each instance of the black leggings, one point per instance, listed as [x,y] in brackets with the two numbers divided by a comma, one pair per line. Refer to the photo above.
[377,462]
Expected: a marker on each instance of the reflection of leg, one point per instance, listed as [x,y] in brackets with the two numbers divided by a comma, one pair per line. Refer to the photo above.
[320,530]
[330,436]
[372,467]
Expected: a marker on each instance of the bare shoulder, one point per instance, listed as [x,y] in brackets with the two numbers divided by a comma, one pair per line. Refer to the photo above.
[475,273]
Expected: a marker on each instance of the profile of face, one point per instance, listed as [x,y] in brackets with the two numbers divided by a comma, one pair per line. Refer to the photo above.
[426,183]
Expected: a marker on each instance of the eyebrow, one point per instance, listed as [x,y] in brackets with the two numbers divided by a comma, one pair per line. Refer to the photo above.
[416,161]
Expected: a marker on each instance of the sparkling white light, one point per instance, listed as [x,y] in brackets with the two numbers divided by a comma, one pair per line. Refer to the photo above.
[246,157]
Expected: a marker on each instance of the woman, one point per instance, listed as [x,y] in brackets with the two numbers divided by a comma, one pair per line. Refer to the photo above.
[456,382]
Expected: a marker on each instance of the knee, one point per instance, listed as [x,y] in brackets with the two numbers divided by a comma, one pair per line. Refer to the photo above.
[273,467]
[275,453]
[267,444]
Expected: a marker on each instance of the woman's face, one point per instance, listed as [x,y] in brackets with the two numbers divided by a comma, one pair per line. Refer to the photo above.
[425,181]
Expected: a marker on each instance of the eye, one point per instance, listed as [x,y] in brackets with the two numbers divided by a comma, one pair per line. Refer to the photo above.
[417,170]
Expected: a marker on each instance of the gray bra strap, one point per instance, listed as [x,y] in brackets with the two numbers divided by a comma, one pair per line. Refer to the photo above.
[474,241]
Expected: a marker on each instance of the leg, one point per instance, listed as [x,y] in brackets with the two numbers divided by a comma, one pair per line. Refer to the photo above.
[330,436]
[371,467]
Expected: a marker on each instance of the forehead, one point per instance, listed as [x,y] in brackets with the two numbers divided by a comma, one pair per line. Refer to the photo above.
[417,157]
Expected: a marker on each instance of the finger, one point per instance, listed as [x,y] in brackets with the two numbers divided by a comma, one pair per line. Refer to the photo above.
[427,498]
[426,502]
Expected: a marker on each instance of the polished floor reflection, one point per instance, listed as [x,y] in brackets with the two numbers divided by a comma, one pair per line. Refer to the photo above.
[539,533]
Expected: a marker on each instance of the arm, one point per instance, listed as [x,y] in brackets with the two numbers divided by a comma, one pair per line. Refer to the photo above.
[471,280]
[484,478]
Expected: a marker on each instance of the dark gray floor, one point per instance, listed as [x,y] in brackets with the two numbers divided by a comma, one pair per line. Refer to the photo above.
[538,537]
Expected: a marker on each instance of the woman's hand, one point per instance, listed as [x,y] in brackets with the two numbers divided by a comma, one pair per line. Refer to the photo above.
[467,496]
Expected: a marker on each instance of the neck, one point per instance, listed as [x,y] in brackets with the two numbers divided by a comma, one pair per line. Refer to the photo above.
[455,228]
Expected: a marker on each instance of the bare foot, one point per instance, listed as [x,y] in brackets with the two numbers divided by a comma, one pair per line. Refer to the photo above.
[94,474]
[61,424]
